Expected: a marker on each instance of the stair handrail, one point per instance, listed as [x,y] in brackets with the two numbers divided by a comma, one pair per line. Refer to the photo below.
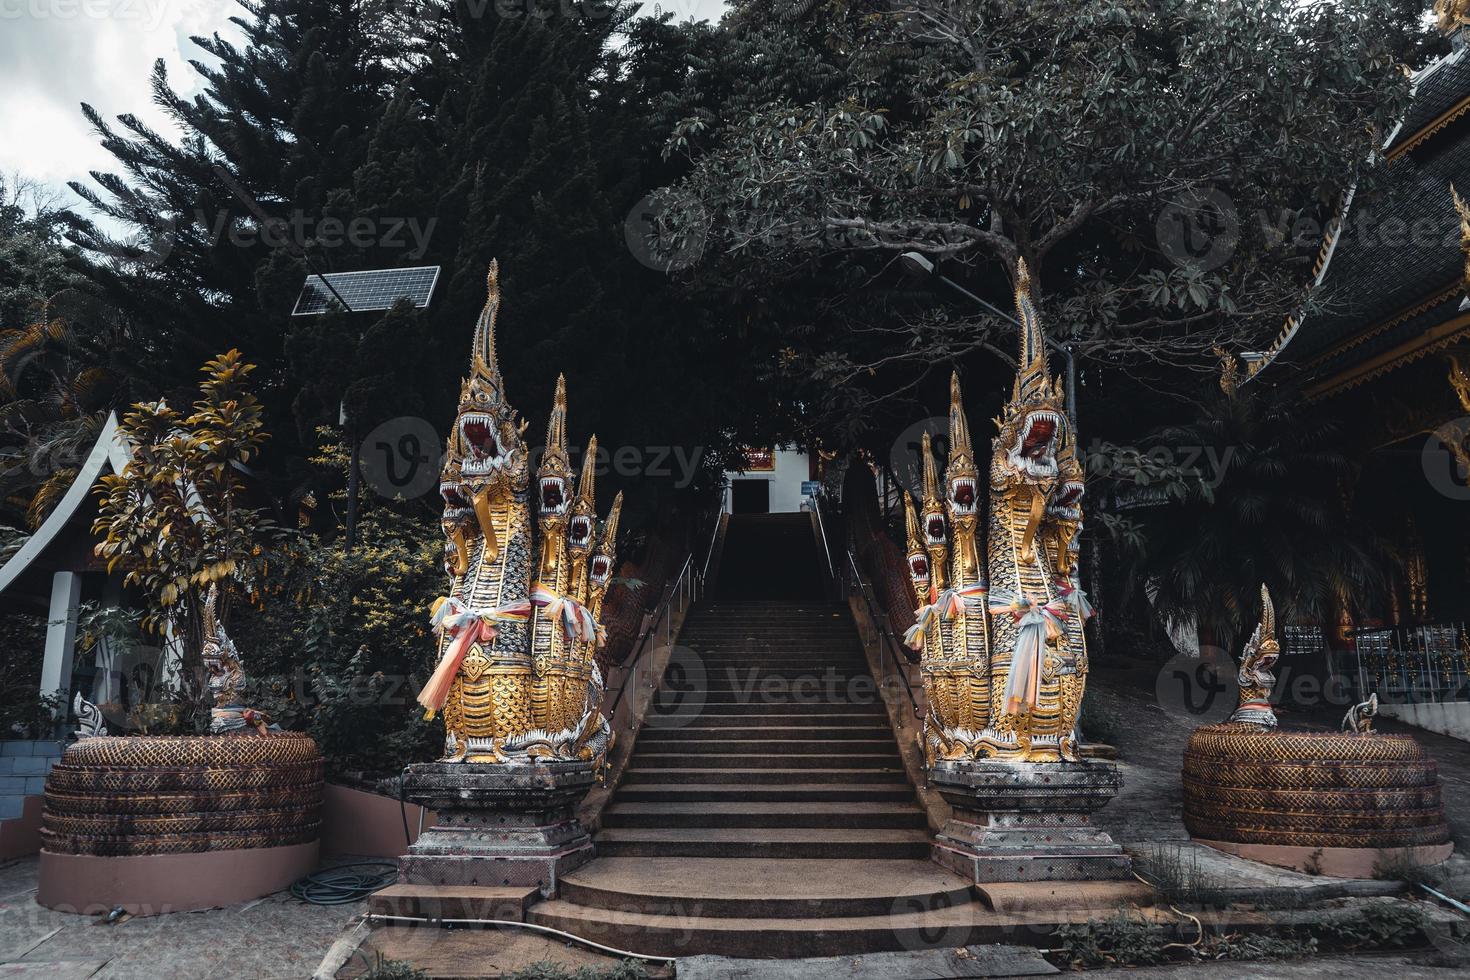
[686,586]
[816,500]
[885,633]
[714,536]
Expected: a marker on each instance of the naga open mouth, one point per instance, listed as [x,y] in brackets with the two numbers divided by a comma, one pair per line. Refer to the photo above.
[962,496]
[456,502]
[485,452]
[934,529]
[600,570]
[1035,452]
[919,566]
[553,495]
[580,530]
[1065,504]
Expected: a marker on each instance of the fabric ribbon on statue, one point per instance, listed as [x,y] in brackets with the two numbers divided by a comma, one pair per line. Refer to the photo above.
[577,621]
[1037,622]
[1073,595]
[465,626]
[949,604]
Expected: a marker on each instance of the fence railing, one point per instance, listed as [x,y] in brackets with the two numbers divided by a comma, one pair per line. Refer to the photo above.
[1407,664]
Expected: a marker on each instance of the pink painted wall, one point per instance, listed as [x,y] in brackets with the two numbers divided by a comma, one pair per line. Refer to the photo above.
[358,822]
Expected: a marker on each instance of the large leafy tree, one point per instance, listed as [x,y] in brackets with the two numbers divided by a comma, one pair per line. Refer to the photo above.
[1097,142]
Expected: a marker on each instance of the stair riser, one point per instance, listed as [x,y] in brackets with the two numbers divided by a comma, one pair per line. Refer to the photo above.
[725,709]
[684,937]
[785,761]
[826,850]
[689,737]
[856,820]
[801,697]
[803,746]
[834,793]
[717,777]
[758,908]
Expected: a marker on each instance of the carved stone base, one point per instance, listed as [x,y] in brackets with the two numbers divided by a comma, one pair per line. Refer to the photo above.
[498,825]
[1020,821]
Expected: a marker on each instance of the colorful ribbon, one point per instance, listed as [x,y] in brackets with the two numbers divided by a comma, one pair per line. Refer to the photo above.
[1074,596]
[949,604]
[1037,623]
[466,626]
[577,621]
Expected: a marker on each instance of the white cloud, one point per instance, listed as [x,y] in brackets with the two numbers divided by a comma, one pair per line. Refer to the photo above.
[56,54]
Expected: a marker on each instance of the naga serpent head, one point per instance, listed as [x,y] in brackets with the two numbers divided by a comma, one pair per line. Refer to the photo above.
[599,571]
[458,516]
[494,463]
[554,476]
[1065,504]
[961,477]
[1262,650]
[1034,422]
[916,556]
[935,530]
[581,528]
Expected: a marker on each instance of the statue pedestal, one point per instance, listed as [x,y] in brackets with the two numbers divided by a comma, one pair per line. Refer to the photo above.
[499,825]
[1028,821]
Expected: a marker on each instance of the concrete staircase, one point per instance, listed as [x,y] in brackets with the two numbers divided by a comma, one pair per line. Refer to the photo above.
[765,810]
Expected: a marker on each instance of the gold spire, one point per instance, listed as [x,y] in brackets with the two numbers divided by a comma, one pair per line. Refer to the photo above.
[556,422]
[610,526]
[483,362]
[959,426]
[1033,376]
[931,476]
[1268,616]
[587,482]
[911,526]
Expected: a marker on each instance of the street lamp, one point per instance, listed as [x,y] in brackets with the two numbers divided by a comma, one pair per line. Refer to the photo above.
[921,266]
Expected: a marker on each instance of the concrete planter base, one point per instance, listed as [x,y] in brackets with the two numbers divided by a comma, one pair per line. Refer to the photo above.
[1332,862]
[1028,821]
[498,825]
[153,884]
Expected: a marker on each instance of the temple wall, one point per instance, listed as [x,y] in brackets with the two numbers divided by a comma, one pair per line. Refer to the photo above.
[1450,718]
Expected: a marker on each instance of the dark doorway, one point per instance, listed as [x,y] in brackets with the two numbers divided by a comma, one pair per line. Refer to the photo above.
[750,496]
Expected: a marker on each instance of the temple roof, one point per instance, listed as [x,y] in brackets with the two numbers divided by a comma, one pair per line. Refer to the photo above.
[1393,281]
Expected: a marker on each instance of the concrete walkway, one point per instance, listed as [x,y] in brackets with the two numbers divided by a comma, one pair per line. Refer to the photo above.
[273,937]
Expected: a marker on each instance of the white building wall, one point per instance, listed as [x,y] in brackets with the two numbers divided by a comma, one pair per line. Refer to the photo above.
[792,469]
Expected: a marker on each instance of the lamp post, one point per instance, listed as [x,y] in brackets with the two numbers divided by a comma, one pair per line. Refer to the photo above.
[922,267]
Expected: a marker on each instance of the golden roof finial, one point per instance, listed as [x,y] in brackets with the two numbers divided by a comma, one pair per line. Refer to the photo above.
[1451,15]
[1463,210]
[1229,370]
[483,362]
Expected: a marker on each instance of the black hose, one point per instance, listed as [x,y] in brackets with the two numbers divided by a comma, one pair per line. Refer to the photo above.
[345,883]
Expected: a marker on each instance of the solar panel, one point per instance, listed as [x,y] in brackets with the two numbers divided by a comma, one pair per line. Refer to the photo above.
[372,289]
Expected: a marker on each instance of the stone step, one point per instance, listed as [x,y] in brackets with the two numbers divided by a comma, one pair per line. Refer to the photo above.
[49,748]
[786,760]
[744,887]
[725,709]
[875,815]
[847,793]
[776,842]
[773,746]
[26,765]
[455,901]
[794,937]
[786,694]
[810,733]
[713,717]
[708,776]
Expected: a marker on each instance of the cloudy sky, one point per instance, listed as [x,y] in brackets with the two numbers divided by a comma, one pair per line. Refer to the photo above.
[56,54]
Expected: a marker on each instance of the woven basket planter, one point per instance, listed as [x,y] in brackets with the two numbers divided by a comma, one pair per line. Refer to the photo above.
[172,795]
[1244,785]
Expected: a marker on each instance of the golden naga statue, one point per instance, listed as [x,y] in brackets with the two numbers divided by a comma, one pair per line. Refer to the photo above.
[1000,629]
[516,678]
[947,572]
[1255,677]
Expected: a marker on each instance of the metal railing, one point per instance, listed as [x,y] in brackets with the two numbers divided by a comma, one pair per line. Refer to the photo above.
[1408,664]
[816,500]
[887,641]
[685,589]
